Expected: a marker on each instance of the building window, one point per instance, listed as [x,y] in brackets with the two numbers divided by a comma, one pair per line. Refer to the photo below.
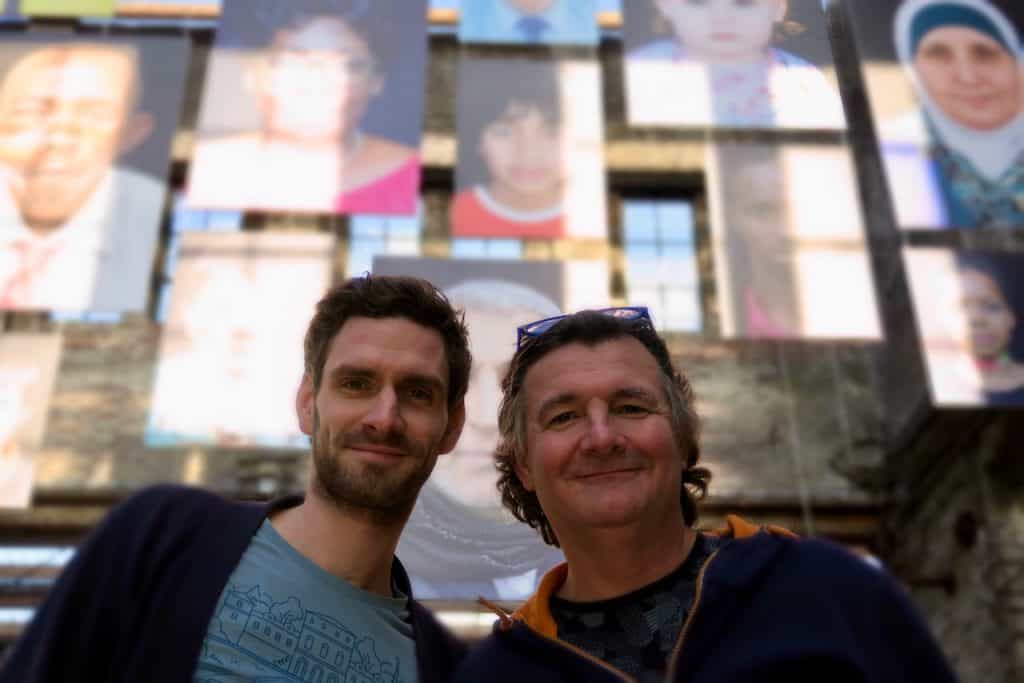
[487,249]
[661,262]
[371,236]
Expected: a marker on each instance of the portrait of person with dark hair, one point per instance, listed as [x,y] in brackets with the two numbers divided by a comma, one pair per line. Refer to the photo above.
[529,22]
[530,152]
[730,63]
[970,310]
[84,143]
[313,106]
[787,263]
[964,143]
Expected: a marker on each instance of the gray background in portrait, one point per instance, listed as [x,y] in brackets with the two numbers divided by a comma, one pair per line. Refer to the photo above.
[640,18]
[543,276]
[163,63]
[397,26]
[873,25]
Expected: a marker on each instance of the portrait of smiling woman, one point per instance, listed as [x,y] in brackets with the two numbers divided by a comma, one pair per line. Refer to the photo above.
[955,159]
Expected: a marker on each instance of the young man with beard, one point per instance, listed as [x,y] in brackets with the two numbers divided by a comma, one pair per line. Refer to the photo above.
[179,584]
[599,452]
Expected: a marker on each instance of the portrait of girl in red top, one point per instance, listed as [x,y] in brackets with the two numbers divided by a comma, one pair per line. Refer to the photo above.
[511,171]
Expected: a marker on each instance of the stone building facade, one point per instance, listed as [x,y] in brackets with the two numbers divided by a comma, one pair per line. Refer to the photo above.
[834,440]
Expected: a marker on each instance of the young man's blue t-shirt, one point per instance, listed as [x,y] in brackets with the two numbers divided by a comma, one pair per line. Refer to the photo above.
[281,617]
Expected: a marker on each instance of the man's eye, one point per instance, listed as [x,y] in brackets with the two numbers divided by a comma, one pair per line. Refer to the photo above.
[421,394]
[632,409]
[561,419]
[354,384]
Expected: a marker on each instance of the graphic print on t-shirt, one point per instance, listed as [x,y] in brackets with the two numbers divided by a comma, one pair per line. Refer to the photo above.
[283,641]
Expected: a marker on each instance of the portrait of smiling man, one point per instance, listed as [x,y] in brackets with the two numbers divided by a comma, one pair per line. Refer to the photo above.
[303,588]
[599,452]
[78,226]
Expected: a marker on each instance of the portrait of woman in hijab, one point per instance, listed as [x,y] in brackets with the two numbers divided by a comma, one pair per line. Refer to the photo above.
[958,160]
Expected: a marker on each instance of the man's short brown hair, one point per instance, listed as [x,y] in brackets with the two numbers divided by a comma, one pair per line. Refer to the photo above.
[383,296]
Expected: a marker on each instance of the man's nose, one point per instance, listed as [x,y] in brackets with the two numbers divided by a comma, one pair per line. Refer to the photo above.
[600,437]
[383,415]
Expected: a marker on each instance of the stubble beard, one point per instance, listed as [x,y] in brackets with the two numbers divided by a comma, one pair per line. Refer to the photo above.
[385,493]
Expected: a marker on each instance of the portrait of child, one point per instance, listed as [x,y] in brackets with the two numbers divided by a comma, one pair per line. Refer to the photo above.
[529,22]
[969,307]
[530,159]
[789,263]
[730,63]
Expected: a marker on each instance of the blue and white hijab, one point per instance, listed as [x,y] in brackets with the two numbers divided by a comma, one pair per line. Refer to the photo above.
[990,152]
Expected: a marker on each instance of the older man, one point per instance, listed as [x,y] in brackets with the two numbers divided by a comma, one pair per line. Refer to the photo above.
[529,21]
[599,452]
[178,584]
[76,232]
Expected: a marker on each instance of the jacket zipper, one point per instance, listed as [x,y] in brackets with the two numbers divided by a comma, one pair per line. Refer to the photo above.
[586,655]
[674,660]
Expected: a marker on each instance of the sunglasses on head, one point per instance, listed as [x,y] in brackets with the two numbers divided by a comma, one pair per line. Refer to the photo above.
[539,327]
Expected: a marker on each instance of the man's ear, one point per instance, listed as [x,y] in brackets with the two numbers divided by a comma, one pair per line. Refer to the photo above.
[139,127]
[522,469]
[304,399]
[456,421]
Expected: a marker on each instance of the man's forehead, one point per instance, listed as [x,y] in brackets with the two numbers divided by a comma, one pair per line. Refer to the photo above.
[397,344]
[609,366]
[73,71]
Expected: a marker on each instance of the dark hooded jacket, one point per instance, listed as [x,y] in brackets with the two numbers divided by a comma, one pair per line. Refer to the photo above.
[768,607]
[135,601]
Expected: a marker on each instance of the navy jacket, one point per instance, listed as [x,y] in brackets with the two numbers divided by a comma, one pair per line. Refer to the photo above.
[768,608]
[135,601]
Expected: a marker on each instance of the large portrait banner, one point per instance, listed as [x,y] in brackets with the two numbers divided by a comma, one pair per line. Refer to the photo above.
[970,316]
[313,106]
[28,367]
[720,63]
[530,149]
[529,22]
[86,124]
[85,133]
[460,543]
[945,79]
[791,262]
[239,309]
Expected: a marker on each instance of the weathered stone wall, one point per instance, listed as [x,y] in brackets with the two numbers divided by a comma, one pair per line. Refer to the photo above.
[956,536]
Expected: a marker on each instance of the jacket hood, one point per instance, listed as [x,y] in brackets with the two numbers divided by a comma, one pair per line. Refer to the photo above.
[536,611]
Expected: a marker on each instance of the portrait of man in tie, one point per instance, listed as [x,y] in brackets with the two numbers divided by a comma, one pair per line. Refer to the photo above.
[529,22]
[84,148]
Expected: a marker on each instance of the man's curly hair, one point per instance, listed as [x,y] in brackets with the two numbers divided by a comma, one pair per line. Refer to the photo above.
[592,328]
